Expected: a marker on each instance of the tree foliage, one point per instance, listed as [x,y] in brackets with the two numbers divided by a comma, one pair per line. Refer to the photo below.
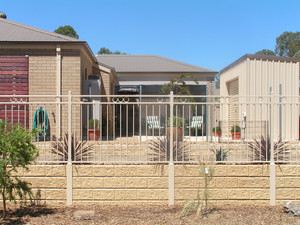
[178,85]
[297,54]
[67,30]
[16,151]
[265,52]
[287,44]
[106,51]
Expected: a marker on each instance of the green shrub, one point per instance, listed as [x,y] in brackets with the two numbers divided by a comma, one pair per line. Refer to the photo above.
[217,129]
[235,129]
[177,121]
[94,124]
[16,151]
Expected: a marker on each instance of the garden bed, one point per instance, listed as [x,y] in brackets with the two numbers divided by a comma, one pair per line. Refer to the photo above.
[149,214]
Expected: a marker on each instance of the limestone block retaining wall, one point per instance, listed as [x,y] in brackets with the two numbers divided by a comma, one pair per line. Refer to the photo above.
[120,184]
[148,184]
[48,183]
[231,183]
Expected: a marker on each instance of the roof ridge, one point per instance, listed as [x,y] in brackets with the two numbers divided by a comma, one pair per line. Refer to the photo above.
[182,63]
[121,55]
[61,36]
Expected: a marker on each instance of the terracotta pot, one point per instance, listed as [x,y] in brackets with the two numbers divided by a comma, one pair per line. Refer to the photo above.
[94,134]
[177,133]
[218,134]
[236,136]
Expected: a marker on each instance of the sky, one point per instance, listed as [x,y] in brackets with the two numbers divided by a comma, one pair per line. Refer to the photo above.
[210,34]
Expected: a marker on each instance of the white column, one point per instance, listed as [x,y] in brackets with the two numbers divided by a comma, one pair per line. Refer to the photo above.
[69,165]
[171,161]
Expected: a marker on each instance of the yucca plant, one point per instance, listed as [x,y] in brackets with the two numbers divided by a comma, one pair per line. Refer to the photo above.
[260,149]
[160,148]
[221,154]
[80,150]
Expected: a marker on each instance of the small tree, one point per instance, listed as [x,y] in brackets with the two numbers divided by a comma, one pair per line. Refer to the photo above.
[178,85]
[16,151]
[200,205]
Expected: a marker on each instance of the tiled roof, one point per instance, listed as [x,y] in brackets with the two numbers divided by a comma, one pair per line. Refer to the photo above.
[15,32]
[148,63]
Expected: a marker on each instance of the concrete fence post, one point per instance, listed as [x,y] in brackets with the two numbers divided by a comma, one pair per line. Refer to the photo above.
[69,165]
[171,161]
[272,163]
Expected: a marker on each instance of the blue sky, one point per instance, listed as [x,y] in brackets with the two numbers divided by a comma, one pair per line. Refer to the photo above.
[210,33]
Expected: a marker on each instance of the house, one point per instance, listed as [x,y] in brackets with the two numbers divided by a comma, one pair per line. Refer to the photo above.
[38,62]
[146,74]
[246,87]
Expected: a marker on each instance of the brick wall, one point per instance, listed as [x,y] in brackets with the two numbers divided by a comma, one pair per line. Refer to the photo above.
[234,183]
[115,184]
[148,184]
[48,183]
[86,66]
[71,81]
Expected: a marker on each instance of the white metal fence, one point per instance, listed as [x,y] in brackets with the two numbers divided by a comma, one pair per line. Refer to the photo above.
[159,129]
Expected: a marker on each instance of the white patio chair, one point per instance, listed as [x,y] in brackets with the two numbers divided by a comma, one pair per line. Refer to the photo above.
[196,123]
[154,123]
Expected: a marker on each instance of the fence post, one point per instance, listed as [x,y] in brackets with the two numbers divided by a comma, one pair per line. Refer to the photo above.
[69,165]
[171,161]
[272,163]
[211,112]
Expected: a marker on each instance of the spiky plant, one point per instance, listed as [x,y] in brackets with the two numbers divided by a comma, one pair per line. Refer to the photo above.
[221,154]
[80,150]
[160,148]
[260,149]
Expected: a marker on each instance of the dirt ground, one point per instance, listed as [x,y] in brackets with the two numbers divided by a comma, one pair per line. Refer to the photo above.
[146,214]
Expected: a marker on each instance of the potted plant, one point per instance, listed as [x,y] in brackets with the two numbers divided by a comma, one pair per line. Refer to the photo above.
[217,131]
[94,129]
[178,127]
[236,132]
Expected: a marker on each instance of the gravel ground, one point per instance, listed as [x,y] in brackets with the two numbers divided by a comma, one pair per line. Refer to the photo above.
[145,214]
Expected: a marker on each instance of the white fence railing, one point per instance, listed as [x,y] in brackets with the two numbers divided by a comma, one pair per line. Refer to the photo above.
[159,129]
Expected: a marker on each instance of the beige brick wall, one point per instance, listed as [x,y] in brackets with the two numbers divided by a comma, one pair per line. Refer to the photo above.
[71,81]
[48,183]
[287,183]
[231,183]
[148,184]
[87,65]
[120,184]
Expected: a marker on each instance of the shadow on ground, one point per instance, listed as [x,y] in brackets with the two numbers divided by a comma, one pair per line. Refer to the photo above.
[21,215]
